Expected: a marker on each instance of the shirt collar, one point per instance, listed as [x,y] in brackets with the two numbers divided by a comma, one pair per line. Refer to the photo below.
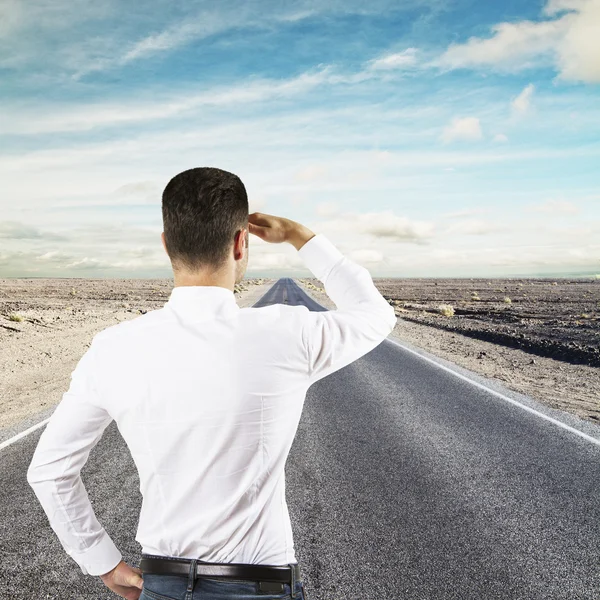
[202,301]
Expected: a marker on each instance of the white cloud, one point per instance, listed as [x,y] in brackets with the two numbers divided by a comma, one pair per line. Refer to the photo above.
[152,107]
[555,6]
[574,233]
[311,173]
[103,165]
[511,45]
[406,58]
[467,128]
[269,260]
[15,230]
[197,27]
[555,207]
[383,224]
[139,187]
[500,138]
[570,42]
[52,118]
[474,227]
[137,193]
[86,117]
[469,212]
[386,224]
[172,37]
[43,32]
[549,256]
[11,14]
[86,264]
[327,209]
[367,256]
[382,156]
[483,260]
[79,263]
[522,102]
[579,53]
[99,36]
[245,15]
[52,255]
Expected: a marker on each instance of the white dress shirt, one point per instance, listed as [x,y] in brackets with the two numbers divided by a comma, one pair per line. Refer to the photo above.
[207,396]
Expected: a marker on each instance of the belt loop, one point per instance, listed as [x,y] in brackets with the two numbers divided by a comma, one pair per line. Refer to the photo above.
[293,583]
[191,578]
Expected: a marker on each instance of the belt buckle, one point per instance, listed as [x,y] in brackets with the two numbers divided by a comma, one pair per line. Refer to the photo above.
[271,586]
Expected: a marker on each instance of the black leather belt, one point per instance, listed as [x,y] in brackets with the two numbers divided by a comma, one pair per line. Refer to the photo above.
[151,563]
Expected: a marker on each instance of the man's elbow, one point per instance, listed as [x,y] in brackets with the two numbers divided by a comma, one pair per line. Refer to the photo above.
[389,314]
[383,320]
[393,318]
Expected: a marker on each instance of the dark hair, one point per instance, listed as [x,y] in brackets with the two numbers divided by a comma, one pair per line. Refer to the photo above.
[202,210]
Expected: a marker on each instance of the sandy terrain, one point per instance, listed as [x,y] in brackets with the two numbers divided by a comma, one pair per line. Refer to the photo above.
[60,318]
[534,345]
[556,318]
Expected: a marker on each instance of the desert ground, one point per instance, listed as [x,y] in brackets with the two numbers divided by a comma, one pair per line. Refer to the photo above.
[539,337]
[544,342]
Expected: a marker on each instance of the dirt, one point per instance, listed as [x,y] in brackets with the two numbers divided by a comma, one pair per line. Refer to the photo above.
[556,318]
[539,344]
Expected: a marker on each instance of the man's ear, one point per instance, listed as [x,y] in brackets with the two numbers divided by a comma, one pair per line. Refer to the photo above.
[162,239]
[240,239]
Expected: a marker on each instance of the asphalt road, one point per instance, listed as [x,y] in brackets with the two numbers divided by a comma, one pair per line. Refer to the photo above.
[403,482]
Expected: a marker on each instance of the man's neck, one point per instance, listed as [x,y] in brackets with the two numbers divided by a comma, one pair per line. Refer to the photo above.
[185,280]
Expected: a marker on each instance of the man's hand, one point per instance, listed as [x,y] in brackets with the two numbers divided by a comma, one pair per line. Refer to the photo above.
[125,581]
[275,230]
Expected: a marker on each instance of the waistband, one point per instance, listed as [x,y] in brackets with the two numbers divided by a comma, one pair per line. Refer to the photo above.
[168,565]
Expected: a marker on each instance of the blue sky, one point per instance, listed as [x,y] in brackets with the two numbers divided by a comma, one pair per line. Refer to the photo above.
[424,138]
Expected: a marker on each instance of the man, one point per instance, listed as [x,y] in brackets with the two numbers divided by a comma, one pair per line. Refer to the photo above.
[208,398]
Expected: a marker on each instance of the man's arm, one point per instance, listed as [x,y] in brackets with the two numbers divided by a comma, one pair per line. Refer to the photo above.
[334,338]
[75,427]
[363,319]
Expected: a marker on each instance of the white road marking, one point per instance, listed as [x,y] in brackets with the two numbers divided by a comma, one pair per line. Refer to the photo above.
[13,439]
[585,436]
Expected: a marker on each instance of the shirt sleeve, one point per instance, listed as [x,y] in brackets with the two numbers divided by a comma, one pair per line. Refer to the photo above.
[363,319]
[75,427]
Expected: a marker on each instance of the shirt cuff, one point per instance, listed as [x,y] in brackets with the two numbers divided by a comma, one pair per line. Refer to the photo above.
[320,255]
[100,558]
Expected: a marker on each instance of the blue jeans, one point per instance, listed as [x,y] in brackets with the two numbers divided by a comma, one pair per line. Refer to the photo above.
[181,587]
